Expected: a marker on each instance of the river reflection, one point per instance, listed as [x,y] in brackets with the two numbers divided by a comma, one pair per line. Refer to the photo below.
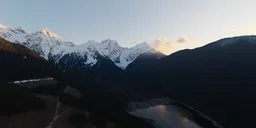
[166,117]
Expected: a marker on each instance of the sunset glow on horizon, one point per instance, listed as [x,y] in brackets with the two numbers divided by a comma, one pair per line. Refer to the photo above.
[177,24]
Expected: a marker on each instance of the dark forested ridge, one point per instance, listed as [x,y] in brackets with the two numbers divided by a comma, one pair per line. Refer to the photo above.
[18,62]
[217,79]
[144,61]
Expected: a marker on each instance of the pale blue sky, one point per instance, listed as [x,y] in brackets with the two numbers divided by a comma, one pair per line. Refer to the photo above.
[129,21]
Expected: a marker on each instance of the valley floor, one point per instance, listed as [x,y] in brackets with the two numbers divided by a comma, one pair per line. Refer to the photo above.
[32,119]
[42,118]
[61,114]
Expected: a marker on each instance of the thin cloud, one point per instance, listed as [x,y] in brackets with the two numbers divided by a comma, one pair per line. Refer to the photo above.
[163,46]
[182,40]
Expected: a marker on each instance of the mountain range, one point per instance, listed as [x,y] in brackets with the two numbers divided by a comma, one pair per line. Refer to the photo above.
[218,79]
[52,47]
[91,60]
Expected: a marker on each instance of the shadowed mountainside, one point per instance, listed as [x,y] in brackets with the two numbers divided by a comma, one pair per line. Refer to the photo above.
[19,63]
[217,79]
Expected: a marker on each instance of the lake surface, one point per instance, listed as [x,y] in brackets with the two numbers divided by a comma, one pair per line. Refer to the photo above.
[167,116]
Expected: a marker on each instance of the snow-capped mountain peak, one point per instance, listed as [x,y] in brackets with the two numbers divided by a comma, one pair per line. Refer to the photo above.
[121,56]
[13,34]
[129,55]
[13,30]
[2,26]
[143,45]
[110,42]
[48,32]
[49,44]
[111,49]
[43,42]
[46,42]
[107,40]
[20,29]
[91,42]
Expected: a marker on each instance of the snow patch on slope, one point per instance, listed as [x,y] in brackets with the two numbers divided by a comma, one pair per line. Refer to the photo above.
[110,49]
[129,55]
[30,80]
[88,49]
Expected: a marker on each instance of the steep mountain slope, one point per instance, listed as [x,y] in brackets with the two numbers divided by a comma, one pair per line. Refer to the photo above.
[45,42]
[19,62]
[144,61]
[131,54]
[217,79]
[111,49]
[101,69]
